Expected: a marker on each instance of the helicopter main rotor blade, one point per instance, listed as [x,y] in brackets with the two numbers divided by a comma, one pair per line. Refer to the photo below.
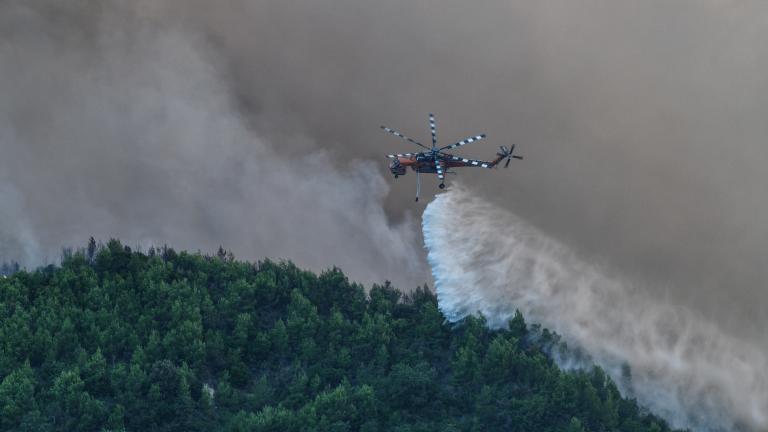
[398,134]
[464,142]
[439,168]
[473,162]
[433,128]
[399,155]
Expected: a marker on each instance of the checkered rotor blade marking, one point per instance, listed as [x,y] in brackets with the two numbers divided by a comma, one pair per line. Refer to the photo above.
[398,134]
[473,162]
[433,128]
[464,142]
[399,155]
[439,168]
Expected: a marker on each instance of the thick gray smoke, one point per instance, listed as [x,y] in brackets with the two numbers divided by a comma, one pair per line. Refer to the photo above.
[643,123]
[683,367]
[114,125]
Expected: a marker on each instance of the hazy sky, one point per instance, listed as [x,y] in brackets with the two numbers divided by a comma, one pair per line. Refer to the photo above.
[254,124]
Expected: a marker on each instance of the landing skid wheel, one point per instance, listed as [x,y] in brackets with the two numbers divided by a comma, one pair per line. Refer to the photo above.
[441,185]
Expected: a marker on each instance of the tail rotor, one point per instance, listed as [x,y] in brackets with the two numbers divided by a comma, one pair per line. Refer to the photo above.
[508,154]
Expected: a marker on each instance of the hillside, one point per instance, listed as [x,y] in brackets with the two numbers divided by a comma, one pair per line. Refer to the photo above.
[163,341]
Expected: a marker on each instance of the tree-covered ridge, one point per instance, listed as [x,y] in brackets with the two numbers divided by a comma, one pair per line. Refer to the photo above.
[164,341]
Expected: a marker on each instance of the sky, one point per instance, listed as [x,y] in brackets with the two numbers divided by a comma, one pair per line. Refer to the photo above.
[254,125]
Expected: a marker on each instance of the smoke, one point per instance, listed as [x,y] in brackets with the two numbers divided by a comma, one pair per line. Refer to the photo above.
[643,123]
[643,126]
[683,367]
[116,123]
[16,238]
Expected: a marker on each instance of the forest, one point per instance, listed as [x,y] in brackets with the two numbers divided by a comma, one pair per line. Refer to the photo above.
[114,339]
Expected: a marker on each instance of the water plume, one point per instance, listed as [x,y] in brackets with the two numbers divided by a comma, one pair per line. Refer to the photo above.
[683,367]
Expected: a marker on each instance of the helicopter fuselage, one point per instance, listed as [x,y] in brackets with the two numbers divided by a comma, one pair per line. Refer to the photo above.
[424,163]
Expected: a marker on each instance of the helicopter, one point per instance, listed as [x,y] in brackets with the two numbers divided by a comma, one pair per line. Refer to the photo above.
[435,160]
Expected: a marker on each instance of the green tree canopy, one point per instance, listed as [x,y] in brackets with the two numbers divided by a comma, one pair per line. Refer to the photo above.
[115,339]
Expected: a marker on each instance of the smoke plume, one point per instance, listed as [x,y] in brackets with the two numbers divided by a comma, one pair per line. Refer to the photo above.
[116,124]
[683,367]
[643,126]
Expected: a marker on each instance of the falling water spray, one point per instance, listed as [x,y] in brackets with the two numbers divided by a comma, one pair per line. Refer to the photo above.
[683,367]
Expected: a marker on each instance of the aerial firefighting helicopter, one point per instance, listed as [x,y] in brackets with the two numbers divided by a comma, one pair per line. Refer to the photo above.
[436,161]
